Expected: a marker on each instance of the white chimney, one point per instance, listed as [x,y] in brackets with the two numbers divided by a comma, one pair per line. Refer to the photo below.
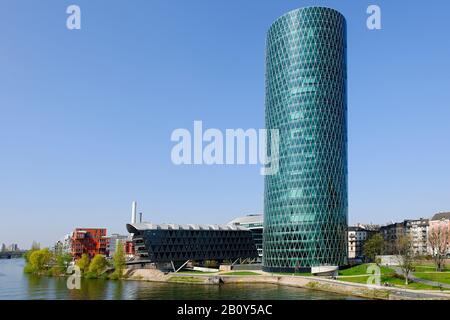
[133,212]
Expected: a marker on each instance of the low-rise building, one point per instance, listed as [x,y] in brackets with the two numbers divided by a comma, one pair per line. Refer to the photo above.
[254,223]
[176,245]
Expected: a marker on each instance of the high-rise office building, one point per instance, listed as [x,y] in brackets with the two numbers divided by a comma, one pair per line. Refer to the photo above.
[305,203]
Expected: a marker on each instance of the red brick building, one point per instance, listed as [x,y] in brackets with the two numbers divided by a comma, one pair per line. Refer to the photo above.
[91,241]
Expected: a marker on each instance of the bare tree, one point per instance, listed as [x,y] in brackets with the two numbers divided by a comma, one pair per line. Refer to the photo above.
[438,239]
[406,255]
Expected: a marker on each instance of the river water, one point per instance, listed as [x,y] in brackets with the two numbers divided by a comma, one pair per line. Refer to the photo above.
[15,285]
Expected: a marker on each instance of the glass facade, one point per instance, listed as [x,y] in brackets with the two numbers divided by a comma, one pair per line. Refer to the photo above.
[165,243]
[305,203]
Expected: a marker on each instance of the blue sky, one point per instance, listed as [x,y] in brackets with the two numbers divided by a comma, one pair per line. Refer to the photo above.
[86,116]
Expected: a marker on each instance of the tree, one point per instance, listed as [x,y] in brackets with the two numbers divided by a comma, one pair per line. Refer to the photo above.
[406,255]
[83,262]
[119,260]
[40,259]
[374,246]
[97,265]
[63,260]
[438,239]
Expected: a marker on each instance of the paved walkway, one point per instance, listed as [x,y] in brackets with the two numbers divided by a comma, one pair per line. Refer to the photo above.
[413,278]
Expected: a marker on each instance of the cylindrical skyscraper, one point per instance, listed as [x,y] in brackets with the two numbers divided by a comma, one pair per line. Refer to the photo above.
[305,203]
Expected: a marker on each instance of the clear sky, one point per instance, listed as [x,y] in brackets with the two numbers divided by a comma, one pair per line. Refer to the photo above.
[86,115]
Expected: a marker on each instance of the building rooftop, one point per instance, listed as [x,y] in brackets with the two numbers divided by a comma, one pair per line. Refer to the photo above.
[248,219]
[441,215]
[355,228]
[133,228]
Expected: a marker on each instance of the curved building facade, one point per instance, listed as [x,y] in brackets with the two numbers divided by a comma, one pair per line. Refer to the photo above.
[305,203]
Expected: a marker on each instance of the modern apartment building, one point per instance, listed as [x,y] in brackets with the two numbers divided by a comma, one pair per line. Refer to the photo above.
[91,241]
[305,203]
[418,231]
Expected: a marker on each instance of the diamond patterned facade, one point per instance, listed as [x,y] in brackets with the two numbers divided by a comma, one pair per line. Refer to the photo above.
[179,243]
[305,203]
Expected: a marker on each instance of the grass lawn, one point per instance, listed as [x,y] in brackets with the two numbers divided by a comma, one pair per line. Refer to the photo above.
[362,270]
[302,274]
[358,274]
[196,272]
[391,280]
[428,268]
[240,273]
[443,277]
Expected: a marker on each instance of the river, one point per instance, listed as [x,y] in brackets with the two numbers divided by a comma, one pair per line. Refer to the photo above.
[15,285]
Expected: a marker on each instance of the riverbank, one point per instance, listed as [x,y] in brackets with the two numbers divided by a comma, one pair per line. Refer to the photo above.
[305,282]
[17,285]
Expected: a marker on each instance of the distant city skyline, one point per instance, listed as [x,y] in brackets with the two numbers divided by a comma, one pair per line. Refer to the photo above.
[87,115]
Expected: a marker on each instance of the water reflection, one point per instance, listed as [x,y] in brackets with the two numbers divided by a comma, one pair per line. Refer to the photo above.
[14,284]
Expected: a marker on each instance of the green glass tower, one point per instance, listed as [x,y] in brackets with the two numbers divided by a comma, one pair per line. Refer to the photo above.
[305,203]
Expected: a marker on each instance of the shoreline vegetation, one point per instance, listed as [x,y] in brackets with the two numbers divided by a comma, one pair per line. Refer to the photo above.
[352,281]
[44,262]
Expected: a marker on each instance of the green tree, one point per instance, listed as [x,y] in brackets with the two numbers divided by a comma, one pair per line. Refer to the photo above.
[40,260]
[83,262]
[97,265]
[374,246]
[119,261]
[62,261]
